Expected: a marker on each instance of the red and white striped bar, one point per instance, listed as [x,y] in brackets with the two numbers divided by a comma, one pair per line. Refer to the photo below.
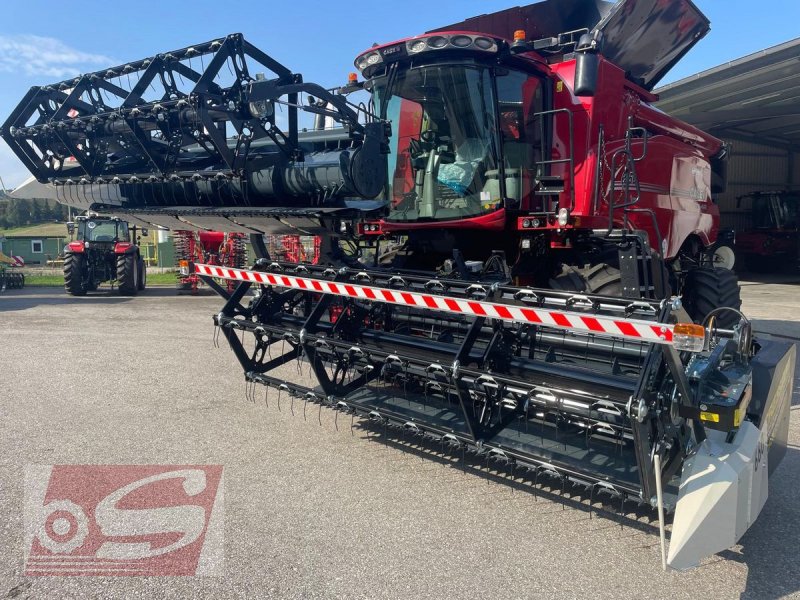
[633,329]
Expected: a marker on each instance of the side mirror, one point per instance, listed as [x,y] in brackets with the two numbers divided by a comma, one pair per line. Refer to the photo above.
[587,64]
[70,228]
[145,231]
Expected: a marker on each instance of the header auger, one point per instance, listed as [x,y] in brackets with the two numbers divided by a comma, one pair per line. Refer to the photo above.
[515,256]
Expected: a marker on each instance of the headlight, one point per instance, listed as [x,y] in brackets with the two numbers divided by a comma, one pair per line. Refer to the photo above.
[563,217]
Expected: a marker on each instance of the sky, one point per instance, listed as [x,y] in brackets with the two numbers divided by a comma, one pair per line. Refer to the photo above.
[42,42]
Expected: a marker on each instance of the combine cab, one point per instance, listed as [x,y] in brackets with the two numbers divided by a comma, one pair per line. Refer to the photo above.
[515,251]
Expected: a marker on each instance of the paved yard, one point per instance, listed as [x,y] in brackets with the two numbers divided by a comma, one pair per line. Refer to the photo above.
[312,512]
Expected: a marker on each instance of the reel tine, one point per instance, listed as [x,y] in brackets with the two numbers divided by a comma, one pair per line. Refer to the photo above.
[266,396]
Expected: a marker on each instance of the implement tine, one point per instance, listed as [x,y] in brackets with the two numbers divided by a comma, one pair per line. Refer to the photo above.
[282,388]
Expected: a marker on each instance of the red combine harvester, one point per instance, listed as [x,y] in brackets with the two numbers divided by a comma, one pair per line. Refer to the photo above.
[516,249]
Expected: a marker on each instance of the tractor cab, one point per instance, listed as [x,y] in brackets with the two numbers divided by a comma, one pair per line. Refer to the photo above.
[102,229]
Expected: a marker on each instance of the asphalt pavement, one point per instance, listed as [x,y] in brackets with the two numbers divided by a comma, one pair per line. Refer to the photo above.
[313,512]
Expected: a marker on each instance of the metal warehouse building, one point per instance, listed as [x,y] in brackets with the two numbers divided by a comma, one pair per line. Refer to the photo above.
[754,104]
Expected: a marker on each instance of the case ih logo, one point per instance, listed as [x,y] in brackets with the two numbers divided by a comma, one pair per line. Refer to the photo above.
[124,520]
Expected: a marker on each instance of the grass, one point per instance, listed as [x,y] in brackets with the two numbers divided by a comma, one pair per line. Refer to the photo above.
[50,229]
[35,280]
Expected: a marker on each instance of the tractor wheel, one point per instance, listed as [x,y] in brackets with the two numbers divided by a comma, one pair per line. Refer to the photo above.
[142,275]
[74,267]
[127,278]
[707,288]
[601,279]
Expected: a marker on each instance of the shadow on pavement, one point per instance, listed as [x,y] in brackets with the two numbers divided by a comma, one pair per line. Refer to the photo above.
[31,297]
[754,278]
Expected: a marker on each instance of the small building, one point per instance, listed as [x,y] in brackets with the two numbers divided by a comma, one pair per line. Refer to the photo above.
[34,249]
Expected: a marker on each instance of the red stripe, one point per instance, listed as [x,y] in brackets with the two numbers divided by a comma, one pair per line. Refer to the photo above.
[388,295]
[502,312]
[592,323]
[627,329]
[231,274]
[245,275]
[452,305]
[430,301]
[317,285]
[561,319]
[477,308]
[666,333]
[258,277]
[334,288]
[369,293]
[220,272]
[285,281]
[408,298]
[302,283]
[271,279]
[350,290]
[530,315]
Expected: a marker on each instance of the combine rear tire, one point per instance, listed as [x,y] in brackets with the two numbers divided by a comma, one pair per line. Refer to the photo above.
[127,278]
[74,265]
[708,288]
[142,275]
[601,279]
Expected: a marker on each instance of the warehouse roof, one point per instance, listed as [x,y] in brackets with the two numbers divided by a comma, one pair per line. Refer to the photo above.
[754,98]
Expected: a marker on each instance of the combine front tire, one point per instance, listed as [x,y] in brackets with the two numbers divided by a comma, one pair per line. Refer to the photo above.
[707,288]
[74,265]
[600,279]
[127,276]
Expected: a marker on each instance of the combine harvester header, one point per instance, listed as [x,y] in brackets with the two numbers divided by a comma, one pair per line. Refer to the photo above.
[517,254]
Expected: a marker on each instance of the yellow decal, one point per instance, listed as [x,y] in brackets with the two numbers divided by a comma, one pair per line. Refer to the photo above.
[559,86]
[707,416]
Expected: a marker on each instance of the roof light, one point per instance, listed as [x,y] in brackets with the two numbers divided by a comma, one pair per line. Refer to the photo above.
[442,42]
[519,35]
[417,46]
[689,336]
[352,78]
